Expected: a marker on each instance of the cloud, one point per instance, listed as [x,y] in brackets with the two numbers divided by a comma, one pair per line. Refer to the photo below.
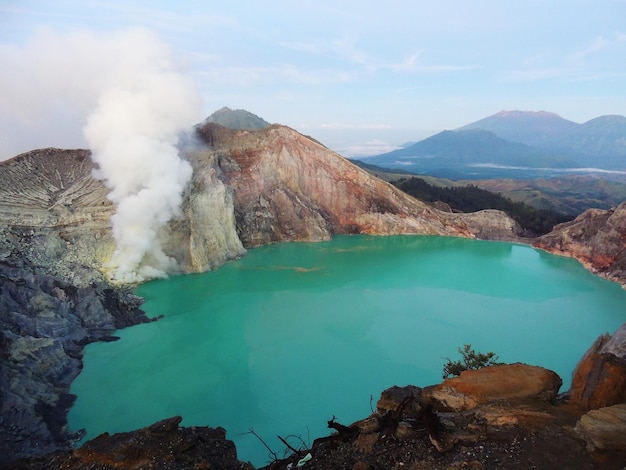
[46,93]
[540,73]
[339,125]
[287,74]
[366,149]
[598,44]
[574,66]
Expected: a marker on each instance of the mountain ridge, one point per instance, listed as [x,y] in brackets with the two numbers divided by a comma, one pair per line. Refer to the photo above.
[521,144]
[549,130]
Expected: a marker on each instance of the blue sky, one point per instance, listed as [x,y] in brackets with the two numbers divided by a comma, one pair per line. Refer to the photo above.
[360,76]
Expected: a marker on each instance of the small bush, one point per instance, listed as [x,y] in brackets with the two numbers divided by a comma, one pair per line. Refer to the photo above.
[470,360]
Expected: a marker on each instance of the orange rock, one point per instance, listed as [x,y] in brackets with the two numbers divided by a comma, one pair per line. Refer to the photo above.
[506,382]
[599,379]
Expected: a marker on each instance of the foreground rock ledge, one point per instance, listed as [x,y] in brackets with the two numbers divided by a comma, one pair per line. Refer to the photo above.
[516,422]
[164,445]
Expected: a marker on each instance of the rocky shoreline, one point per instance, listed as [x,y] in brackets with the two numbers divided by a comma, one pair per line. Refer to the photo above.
[44,325]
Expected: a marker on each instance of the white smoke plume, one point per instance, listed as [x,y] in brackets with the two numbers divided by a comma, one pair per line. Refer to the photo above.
[133,135]
[135,102]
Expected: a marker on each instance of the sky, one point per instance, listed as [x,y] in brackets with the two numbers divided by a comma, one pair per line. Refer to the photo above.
[360,76]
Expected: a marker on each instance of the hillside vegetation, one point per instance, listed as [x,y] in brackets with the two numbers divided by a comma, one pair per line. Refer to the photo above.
[568,195]
[471,199]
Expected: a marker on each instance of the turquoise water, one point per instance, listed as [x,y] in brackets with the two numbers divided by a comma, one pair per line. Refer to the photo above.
[292,334]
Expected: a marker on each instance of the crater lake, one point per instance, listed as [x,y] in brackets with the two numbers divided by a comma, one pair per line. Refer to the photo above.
[291,334]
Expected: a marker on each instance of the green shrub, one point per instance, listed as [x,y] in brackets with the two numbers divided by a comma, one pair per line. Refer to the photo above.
[470,360]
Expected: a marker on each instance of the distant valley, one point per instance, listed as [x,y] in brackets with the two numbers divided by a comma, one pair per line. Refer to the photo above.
[535,158]
[517,144]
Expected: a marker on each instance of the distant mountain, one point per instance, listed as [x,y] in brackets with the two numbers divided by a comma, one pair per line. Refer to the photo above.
[237,119]
[466,151]
[604,136]
[539,128]
[518,144]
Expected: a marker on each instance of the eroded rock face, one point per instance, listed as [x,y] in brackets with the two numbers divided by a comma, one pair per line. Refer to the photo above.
[599,379]
[54,213]
[44,324]
[205,236]
[597,238]
[290,188]
[489,384]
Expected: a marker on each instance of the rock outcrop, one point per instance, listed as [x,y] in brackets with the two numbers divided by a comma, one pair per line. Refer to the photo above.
[597,238]
[604,429]
[495,383]
[508,429]
[599,379]
[45,322]
[163,445]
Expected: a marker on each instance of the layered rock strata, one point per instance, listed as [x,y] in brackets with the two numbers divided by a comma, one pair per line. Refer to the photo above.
[597,238]
[289,187]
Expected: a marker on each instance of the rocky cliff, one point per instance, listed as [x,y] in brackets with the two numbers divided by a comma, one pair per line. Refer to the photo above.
[289,187]
[597,238]
[249,188]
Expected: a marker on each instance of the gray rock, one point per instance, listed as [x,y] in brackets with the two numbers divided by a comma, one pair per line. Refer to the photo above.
[604,429]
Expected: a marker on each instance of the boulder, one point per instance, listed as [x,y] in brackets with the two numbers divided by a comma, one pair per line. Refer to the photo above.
[489,384]
[391,399]
[604,429]
[599,379]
